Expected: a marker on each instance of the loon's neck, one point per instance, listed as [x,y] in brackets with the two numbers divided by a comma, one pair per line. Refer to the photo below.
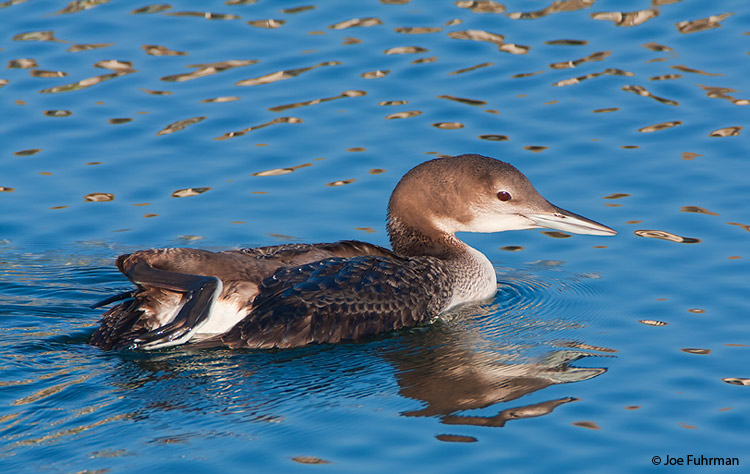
[470,273]
[422,239]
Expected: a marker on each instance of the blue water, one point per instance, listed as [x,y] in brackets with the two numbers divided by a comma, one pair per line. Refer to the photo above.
[571,369]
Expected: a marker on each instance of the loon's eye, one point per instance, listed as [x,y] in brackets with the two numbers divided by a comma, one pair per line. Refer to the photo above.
[503,195]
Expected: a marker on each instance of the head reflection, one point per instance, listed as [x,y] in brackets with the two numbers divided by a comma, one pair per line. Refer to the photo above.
[451,368]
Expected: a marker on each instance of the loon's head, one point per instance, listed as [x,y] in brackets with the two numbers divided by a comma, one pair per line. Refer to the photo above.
[475,193]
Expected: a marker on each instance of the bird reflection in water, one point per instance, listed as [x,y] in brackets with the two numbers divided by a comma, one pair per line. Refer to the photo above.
[450,367]
[452,370]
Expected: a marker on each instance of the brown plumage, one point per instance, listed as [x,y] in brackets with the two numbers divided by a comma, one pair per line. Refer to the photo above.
[242,272]
[291,295]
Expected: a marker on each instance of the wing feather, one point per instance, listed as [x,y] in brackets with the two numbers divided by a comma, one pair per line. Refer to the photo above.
[341,299]
[241,272]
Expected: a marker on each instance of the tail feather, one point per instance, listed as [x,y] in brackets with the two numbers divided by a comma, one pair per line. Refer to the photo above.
[120,326]
[120,296]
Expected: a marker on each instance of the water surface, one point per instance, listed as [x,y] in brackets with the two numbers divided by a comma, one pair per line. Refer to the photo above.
[241,123]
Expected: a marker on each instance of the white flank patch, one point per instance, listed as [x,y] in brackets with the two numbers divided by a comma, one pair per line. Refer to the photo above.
[224,315]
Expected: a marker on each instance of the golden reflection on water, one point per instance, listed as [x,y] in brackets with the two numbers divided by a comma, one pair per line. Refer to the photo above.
[736,380]
[152,92]
[463,100]
[640,90]
[345,94]
[22,63]
[665,77]
[657,47]
[180,193]
[417,30]
[448,125]
[451,438]
[600,56]
[341,182]
[88,47]
[535,148]
[52,390]
[29,152]
[499,40]
[309,460]
[683,68]
[402,115]
[696,351]
[152,9]
[179,125]
[157,50]
[354,22]
[99,197]
[494,138]
[586,424]
[472,68]
[270,23]
[698,210]
[652,322]
[282,75]
[36,36]
[242,132]
[206,15]
[406,50]
[556,7]
[301,9]
[430,59]
[84,83]
[47,74]
[555,234]
[81,5]
[726,132]
[660,126]
[627,18]
[741,226]
[693,26]
[579,79]
[280,171]
[77,430]
[58,113]
[716,92]
[567,42]
[221,100]
[375,74]
[209,69]
[526,74]
[664,235]
[482,6]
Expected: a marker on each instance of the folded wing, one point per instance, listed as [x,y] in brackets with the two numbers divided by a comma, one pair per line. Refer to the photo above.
[341,299]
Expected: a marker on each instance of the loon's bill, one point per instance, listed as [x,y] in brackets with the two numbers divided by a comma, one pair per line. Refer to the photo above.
[567,221]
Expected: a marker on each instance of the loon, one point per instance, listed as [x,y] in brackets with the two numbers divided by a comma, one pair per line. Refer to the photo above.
[291,295]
